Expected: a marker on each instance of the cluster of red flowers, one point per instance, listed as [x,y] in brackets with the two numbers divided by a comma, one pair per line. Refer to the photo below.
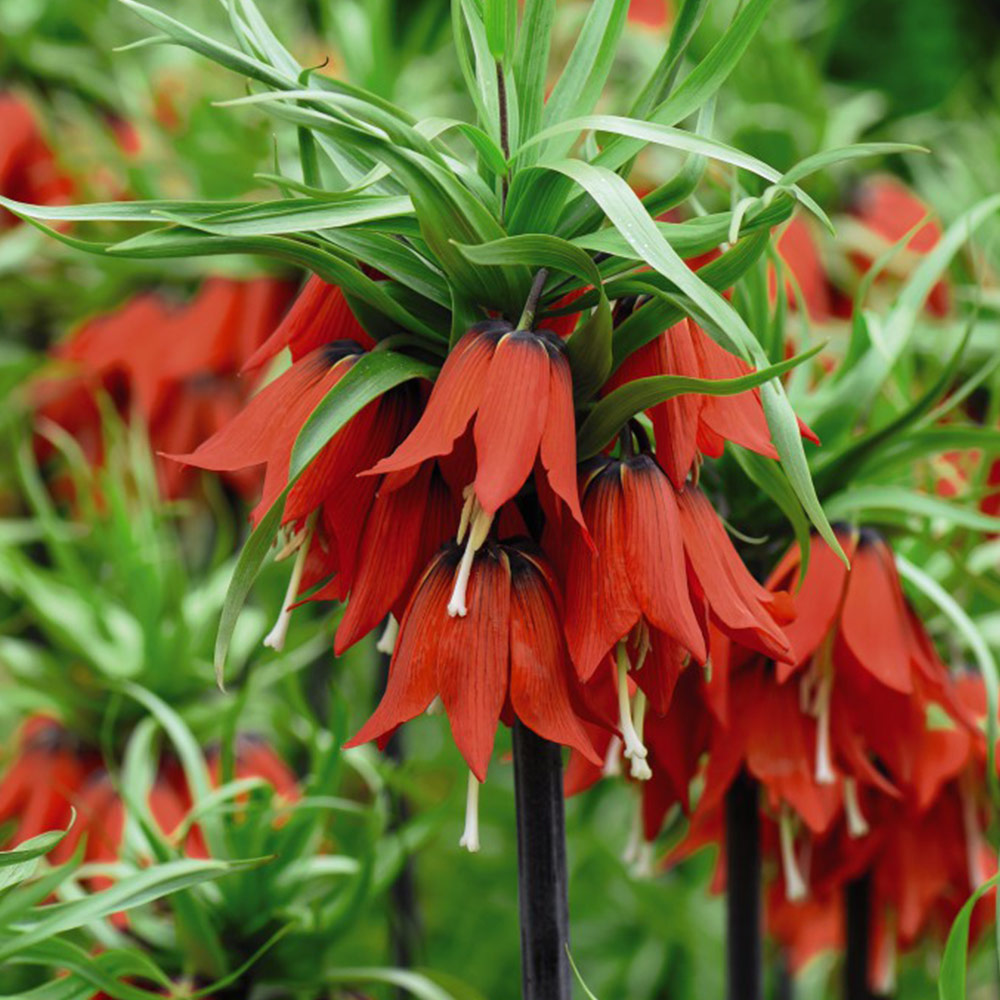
[523,585]
[53,773]
[869,754]
[174,367]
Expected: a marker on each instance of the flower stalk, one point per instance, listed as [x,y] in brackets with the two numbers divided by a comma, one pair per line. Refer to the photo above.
[744,979]
[541,871]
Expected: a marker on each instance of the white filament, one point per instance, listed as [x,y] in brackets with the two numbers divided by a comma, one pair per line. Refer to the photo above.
[477,523]
[635,750]
[857,825]
[613,759]
[387,642]
[470,836]
[795,885]
[275,639]
[824,765]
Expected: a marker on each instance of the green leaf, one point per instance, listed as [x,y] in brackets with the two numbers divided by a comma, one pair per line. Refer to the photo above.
[830,157]
[296,215]
[581,82]
[700,84]
[662,80]
[675,138]
[951,977]
[501,26]
[410,982]
[144,886]
[531,63]
[610,414]
[870,501]
[368,378]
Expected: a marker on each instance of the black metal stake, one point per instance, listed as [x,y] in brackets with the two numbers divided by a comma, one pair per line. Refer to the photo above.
[542,885]
[405,931]
[744,968]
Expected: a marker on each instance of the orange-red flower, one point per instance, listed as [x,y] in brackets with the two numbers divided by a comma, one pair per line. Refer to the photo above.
[506,658]
[174,366]
[518,386]
[693,424]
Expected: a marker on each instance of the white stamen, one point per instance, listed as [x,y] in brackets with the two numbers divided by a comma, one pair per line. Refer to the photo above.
[824,766]
[387,643]
[477,522]
[640,769]
[643,643]
[634,748]
[613,759]
[436,707]
[795,886]
[470,836]
[456,605]
[973,837]
[275,639]
[857,825]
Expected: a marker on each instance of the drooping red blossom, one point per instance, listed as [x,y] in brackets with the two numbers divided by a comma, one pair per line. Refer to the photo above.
[265,431]
[676,742]
[889,210]
[28,168]
[662,558]
[320,315]
[174,367]
[413,513]
[517,386]
[693,424]
[42,780]
[506,658]
[805,272]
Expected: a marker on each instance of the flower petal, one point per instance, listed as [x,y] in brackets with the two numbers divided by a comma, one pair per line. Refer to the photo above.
[539,688]
[414,670]
[454,400]
[558,446]
[654,553]
[474,660]
[511,417]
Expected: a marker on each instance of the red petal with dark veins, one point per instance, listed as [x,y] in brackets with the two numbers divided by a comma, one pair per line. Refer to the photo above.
[539,690]
[511,418]
[558,445]
[415,667]
[474,660]
[389,547]
[817,601]
[453,401]
[318,316]
[600,605]
[738,602]
[654,553]
[873,619]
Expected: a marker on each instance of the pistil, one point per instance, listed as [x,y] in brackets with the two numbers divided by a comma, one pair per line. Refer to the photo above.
[470,836]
